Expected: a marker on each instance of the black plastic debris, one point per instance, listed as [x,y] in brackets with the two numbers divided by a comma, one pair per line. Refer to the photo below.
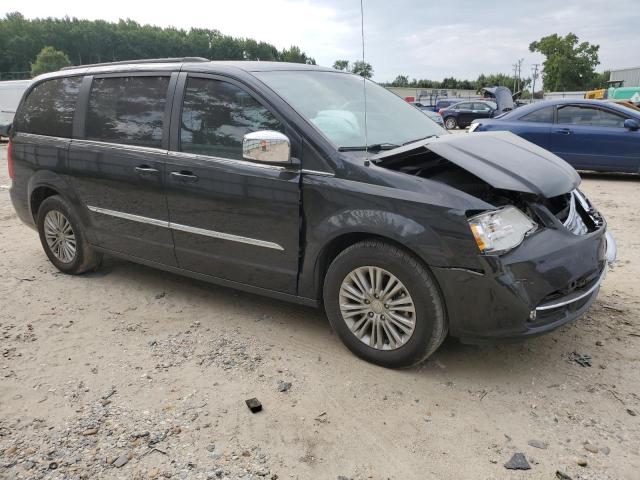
[582,360]
[254,405]
[518,462]
[562,475]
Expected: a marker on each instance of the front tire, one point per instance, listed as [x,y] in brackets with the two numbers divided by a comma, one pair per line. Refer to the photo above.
[384,304]
[450,123]
[63,238]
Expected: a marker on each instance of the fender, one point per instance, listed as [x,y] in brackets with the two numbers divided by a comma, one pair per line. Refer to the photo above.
[351,225]
[55,181]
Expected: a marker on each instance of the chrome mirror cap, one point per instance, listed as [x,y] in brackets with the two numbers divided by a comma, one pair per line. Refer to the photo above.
[266,146]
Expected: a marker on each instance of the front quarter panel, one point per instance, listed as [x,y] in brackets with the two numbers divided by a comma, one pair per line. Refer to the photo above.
[333,207]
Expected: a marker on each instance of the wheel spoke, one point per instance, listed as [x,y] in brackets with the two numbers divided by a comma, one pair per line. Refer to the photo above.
[377,308]
[59,236]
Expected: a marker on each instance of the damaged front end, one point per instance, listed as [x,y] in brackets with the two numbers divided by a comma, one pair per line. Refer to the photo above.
[543,248]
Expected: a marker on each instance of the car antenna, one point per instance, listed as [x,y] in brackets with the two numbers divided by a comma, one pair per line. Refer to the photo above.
[364,86]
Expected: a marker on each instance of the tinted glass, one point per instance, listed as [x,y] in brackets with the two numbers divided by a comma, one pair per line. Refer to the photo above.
[590,116]
[127,110]
[544,115]
[216,115]
[463,106]
[49,107]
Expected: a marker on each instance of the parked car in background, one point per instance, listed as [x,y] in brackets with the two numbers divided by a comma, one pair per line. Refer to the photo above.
[463,113]
[443,103]
[10,94]
[264,176]
[588,134]
[428,111]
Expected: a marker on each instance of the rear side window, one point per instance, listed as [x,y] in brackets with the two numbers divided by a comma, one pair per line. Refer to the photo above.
[544,115]
[590,116]
[48,108]
[127,110]
[216,115]
[481,107]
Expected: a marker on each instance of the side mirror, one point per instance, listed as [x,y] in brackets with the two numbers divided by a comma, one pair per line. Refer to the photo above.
[631,124]
[266,146]
[5,129]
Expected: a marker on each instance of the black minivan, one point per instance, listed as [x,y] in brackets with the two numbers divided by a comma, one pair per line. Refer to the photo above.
[271,178]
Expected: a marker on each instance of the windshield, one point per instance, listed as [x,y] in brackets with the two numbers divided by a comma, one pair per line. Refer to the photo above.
[334,103]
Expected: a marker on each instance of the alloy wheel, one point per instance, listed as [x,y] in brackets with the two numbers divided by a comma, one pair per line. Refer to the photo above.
[59,236]
[377,308]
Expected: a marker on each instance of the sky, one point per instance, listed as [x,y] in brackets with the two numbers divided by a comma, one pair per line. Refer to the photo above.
[420,38]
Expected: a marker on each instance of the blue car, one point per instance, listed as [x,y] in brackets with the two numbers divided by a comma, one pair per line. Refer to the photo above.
[588,134]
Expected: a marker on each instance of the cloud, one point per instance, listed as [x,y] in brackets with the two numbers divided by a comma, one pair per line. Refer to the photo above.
[419,38]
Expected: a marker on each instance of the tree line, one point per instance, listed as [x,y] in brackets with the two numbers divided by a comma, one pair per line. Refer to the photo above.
[96,41]
[569,65]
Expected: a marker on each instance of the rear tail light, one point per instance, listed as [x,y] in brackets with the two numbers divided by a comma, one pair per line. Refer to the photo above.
[10,161]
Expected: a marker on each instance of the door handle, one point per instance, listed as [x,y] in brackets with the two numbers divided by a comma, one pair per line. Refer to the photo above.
[184,176]
[563,131]
[146,170]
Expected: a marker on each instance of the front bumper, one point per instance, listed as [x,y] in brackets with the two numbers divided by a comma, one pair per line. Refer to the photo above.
[550,280]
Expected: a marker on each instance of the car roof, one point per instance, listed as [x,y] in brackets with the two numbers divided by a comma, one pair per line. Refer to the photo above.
[186,64]
[523,110]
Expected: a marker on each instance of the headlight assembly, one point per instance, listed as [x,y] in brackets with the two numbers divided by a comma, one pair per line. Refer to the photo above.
[500,230]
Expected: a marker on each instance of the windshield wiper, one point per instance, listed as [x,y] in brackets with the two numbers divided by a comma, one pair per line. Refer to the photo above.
[418,139]
[376,147]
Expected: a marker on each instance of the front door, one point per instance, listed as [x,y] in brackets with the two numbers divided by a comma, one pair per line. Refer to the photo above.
[117,165]
[594,138]
[231,218]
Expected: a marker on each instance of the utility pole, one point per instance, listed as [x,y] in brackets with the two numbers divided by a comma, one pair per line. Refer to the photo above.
[517,70]
[535,76]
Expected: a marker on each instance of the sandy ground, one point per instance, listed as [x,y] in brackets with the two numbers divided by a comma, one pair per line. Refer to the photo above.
[133,373]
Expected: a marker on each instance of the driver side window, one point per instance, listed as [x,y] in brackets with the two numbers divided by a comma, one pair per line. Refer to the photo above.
[217,114]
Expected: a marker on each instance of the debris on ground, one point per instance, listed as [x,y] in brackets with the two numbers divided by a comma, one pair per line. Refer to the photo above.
[283,386]
[580,359]
[562,476]
[591,448]
[518,462]
[254,405]
[538,444]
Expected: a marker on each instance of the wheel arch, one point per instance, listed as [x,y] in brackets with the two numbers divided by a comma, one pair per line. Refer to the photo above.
[44,184]
[341,242]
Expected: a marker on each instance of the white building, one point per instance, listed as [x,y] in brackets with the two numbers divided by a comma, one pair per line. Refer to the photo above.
[630,76]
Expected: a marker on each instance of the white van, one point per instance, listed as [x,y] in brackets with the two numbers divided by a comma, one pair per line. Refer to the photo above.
[10,94]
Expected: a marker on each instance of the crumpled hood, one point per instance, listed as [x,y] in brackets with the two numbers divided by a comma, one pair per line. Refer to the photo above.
[502,159]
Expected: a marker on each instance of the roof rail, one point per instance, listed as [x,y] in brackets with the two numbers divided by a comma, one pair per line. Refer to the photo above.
[145,60]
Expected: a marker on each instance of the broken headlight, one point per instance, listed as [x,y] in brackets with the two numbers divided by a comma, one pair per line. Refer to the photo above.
[501,230]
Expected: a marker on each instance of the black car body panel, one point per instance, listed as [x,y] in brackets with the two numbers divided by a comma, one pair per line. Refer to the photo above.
[503,160]
[275,230]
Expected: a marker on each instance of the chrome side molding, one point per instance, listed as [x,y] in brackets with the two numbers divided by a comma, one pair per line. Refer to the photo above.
[186,228]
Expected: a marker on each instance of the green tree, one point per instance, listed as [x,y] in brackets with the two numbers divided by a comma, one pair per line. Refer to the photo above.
[363,69]
[49,60]
[599,80]
[341,65]
[401,81]
[89,41]
[294,54]
[569,64]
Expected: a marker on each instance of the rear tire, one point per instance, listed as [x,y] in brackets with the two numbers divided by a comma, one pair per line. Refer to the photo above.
[392,329]
[63,238]
[450,123]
